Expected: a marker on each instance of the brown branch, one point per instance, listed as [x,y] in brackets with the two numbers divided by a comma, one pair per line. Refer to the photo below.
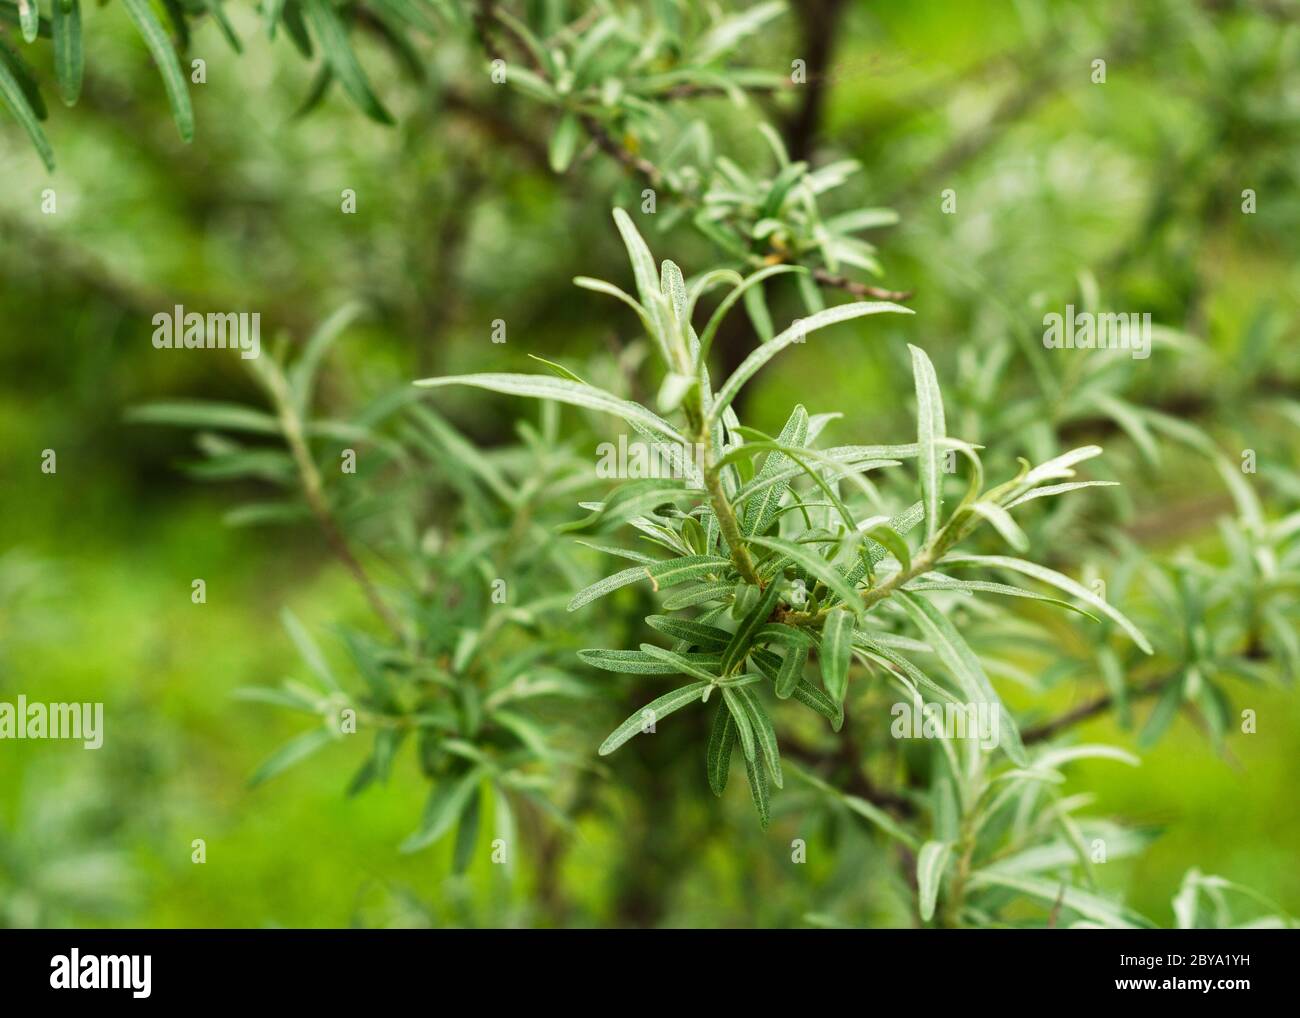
[1090,709]
[856,289]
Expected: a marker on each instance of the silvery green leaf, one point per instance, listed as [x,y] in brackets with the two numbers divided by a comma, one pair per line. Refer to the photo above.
[764,733]
[637,662]
[814,699]
[796,333]
[69,60]
[1003,524]
[722,737]
[814,566]
[836,650]
[761,510]
[651,714]
[21,105]
[930,431]
[445,804]
[696,633]
[744,727]
[296,749]
[160,48]
[562,390]
[930,864]
[1058,580]
[661,574]
[1049,892]
[966,669]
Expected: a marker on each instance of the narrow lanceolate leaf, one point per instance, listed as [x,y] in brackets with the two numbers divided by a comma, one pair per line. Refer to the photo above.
[744,727]
[1060,582]
[298,748]
[638,662]
[661,574]
[930,863]
[20,105]
[160,48]
[761,510]
[758,791]
[764,733]
[795,334]
[683,664]
[814,699]
[643,263]
[696,633]
[1050,892]
[814,565]
[722,738]
[791,671]
[446,803]
[1003,524]
[333,39]
[930,431]
[29,17]
[757,617]
[564,142]
[965,667]
[68,57]
[651,714]
[562,390]
[836,649]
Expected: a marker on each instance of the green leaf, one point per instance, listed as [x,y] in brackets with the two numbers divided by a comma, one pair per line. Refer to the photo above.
[722,737]
[295,750]
[754,620]
[758,791]
[662,574]
[681,661]
[29,17]
[796,333]
[814,566]
[764,733]
[836,650]
[966,669]
[930,863]
[638,662]
[652,713]
[561,390]
[20,104]
[1003,524]
[1061,582]
[1049,892]
[308,648]
[696,633]
[564,142]
[209,414]
[812,697]
[762,509]
[791,672]
[68,57]
[643,263]
[930,431]
[466,833]
[160,48]
[333,38]
[444,806]
[744,727]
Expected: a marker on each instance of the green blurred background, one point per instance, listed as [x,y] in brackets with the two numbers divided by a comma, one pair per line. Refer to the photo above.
[1138,179]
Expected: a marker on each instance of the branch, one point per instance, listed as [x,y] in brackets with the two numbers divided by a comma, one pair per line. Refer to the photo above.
[1041,732]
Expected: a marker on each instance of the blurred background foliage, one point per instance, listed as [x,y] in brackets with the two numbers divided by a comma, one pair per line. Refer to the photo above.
[1123,195]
